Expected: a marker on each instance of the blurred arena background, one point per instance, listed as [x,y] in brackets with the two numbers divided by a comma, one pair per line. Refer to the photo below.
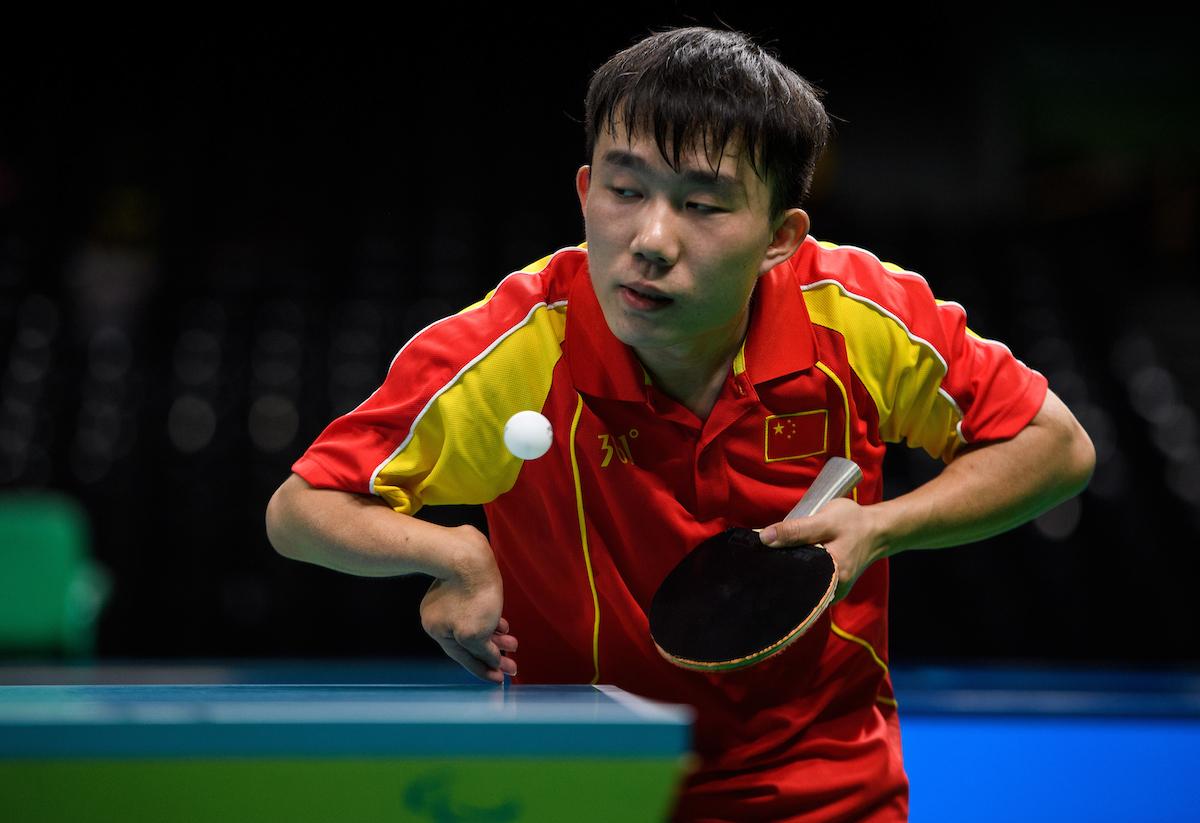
[213,242]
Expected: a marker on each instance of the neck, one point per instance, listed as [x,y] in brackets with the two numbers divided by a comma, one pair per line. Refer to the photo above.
[694,373]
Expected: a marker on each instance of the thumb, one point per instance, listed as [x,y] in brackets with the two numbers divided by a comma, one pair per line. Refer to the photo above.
[796,532]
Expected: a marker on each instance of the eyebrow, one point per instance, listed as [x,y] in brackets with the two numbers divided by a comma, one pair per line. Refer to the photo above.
[717,180]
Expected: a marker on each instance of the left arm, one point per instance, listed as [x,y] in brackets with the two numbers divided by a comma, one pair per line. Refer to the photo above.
[985,489]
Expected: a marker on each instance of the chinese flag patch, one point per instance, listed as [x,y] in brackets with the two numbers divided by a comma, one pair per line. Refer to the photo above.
[792,436]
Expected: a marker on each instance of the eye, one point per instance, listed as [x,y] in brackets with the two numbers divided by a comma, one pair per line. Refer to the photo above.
[624,193]
[705,208]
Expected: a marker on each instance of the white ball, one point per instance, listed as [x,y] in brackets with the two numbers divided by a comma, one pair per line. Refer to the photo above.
[528,435]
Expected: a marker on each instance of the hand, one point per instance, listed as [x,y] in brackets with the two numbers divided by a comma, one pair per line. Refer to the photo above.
[847,530]
[461,611]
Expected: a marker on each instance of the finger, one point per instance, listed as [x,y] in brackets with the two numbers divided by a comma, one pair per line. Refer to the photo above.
[502,627]
[505,642]
[796,532]
[495,663]
[471,663]
[483,649]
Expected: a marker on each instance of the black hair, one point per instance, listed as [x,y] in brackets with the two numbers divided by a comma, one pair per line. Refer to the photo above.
[701,88]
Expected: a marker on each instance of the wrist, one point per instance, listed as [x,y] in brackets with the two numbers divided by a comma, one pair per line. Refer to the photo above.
[421,547]
[470,560]
[885,530]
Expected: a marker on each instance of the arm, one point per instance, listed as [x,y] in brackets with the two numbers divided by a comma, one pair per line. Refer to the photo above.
[361,535]
[986,489]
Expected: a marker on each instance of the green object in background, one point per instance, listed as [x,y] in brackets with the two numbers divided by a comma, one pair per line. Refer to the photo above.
[51,589]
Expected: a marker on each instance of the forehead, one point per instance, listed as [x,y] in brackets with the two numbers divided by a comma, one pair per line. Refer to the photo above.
[701,152]
[700,162]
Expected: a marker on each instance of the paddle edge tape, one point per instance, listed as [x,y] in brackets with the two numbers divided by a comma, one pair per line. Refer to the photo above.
[769,651]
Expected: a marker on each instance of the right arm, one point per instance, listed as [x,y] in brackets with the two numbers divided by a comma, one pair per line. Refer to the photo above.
[361,535]
[418,440]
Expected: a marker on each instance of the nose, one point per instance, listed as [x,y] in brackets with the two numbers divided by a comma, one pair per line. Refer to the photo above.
[657,238]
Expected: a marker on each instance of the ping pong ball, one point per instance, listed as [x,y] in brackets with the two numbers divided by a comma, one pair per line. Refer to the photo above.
[528,435]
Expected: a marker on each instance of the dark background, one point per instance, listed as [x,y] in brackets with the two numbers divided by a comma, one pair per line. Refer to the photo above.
[213,239]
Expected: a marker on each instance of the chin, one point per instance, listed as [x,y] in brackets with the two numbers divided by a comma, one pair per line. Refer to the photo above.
[642,341]
[625,328]
[626,337]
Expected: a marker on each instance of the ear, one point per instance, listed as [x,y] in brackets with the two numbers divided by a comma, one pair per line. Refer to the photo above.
[583,179]
[789,233]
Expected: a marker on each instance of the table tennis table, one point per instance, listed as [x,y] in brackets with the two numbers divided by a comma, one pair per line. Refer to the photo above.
[409,741]
[417,751]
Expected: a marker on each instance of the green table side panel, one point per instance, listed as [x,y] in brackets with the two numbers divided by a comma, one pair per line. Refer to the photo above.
[443,790]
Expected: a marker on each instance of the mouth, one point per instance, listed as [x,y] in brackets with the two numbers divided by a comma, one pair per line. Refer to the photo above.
[643,298]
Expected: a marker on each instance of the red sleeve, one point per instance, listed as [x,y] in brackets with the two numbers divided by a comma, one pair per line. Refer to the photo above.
[935,383]
[432,433]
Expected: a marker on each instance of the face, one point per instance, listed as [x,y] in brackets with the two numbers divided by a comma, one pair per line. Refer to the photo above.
[674,256]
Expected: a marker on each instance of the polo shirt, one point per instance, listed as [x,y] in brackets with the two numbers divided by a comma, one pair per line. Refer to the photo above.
[843,354]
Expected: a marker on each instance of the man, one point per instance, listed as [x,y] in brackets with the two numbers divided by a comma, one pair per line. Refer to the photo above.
[700,360]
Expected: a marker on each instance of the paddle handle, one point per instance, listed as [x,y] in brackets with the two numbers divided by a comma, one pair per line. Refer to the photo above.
[837,477]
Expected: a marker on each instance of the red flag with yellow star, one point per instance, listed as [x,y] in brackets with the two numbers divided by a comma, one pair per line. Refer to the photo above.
[792,436]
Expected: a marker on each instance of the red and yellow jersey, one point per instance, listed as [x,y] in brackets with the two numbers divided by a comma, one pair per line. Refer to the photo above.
[843,355]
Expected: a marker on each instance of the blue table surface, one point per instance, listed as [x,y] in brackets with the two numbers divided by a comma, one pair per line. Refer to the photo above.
[433,712]
[937,690]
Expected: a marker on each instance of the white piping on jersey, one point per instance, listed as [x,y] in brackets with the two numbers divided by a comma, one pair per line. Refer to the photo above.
[416,420]
[396,356]
[495,291]
[918,340]
[980,337]
[892,268]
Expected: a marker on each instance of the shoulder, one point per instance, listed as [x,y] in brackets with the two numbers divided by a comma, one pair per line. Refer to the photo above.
[424,434]
[889,331]
[545,281]
[543,284]
[850,273]
[934,381]
[517,328]
[533,297]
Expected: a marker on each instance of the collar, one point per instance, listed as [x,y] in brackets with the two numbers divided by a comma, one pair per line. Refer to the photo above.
[601,365]
[780,339]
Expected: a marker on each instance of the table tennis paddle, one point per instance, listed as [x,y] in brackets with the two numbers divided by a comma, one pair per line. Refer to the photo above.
[734,601]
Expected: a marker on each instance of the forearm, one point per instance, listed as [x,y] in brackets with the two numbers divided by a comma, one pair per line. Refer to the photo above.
[356,534]
[992,488]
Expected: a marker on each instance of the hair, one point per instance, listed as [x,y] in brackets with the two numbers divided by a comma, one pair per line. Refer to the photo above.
[702,88]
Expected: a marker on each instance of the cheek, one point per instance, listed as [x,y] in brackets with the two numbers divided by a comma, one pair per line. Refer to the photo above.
[737,281]
[604,237]
[595,225]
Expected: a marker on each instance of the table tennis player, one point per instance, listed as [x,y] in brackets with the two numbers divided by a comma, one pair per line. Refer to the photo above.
[699,359]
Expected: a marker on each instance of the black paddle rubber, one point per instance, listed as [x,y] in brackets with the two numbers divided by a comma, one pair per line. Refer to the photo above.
[733,601]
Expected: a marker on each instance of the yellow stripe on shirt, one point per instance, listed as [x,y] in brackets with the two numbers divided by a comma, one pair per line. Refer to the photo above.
[583,542]
[902,373]
[471,465]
